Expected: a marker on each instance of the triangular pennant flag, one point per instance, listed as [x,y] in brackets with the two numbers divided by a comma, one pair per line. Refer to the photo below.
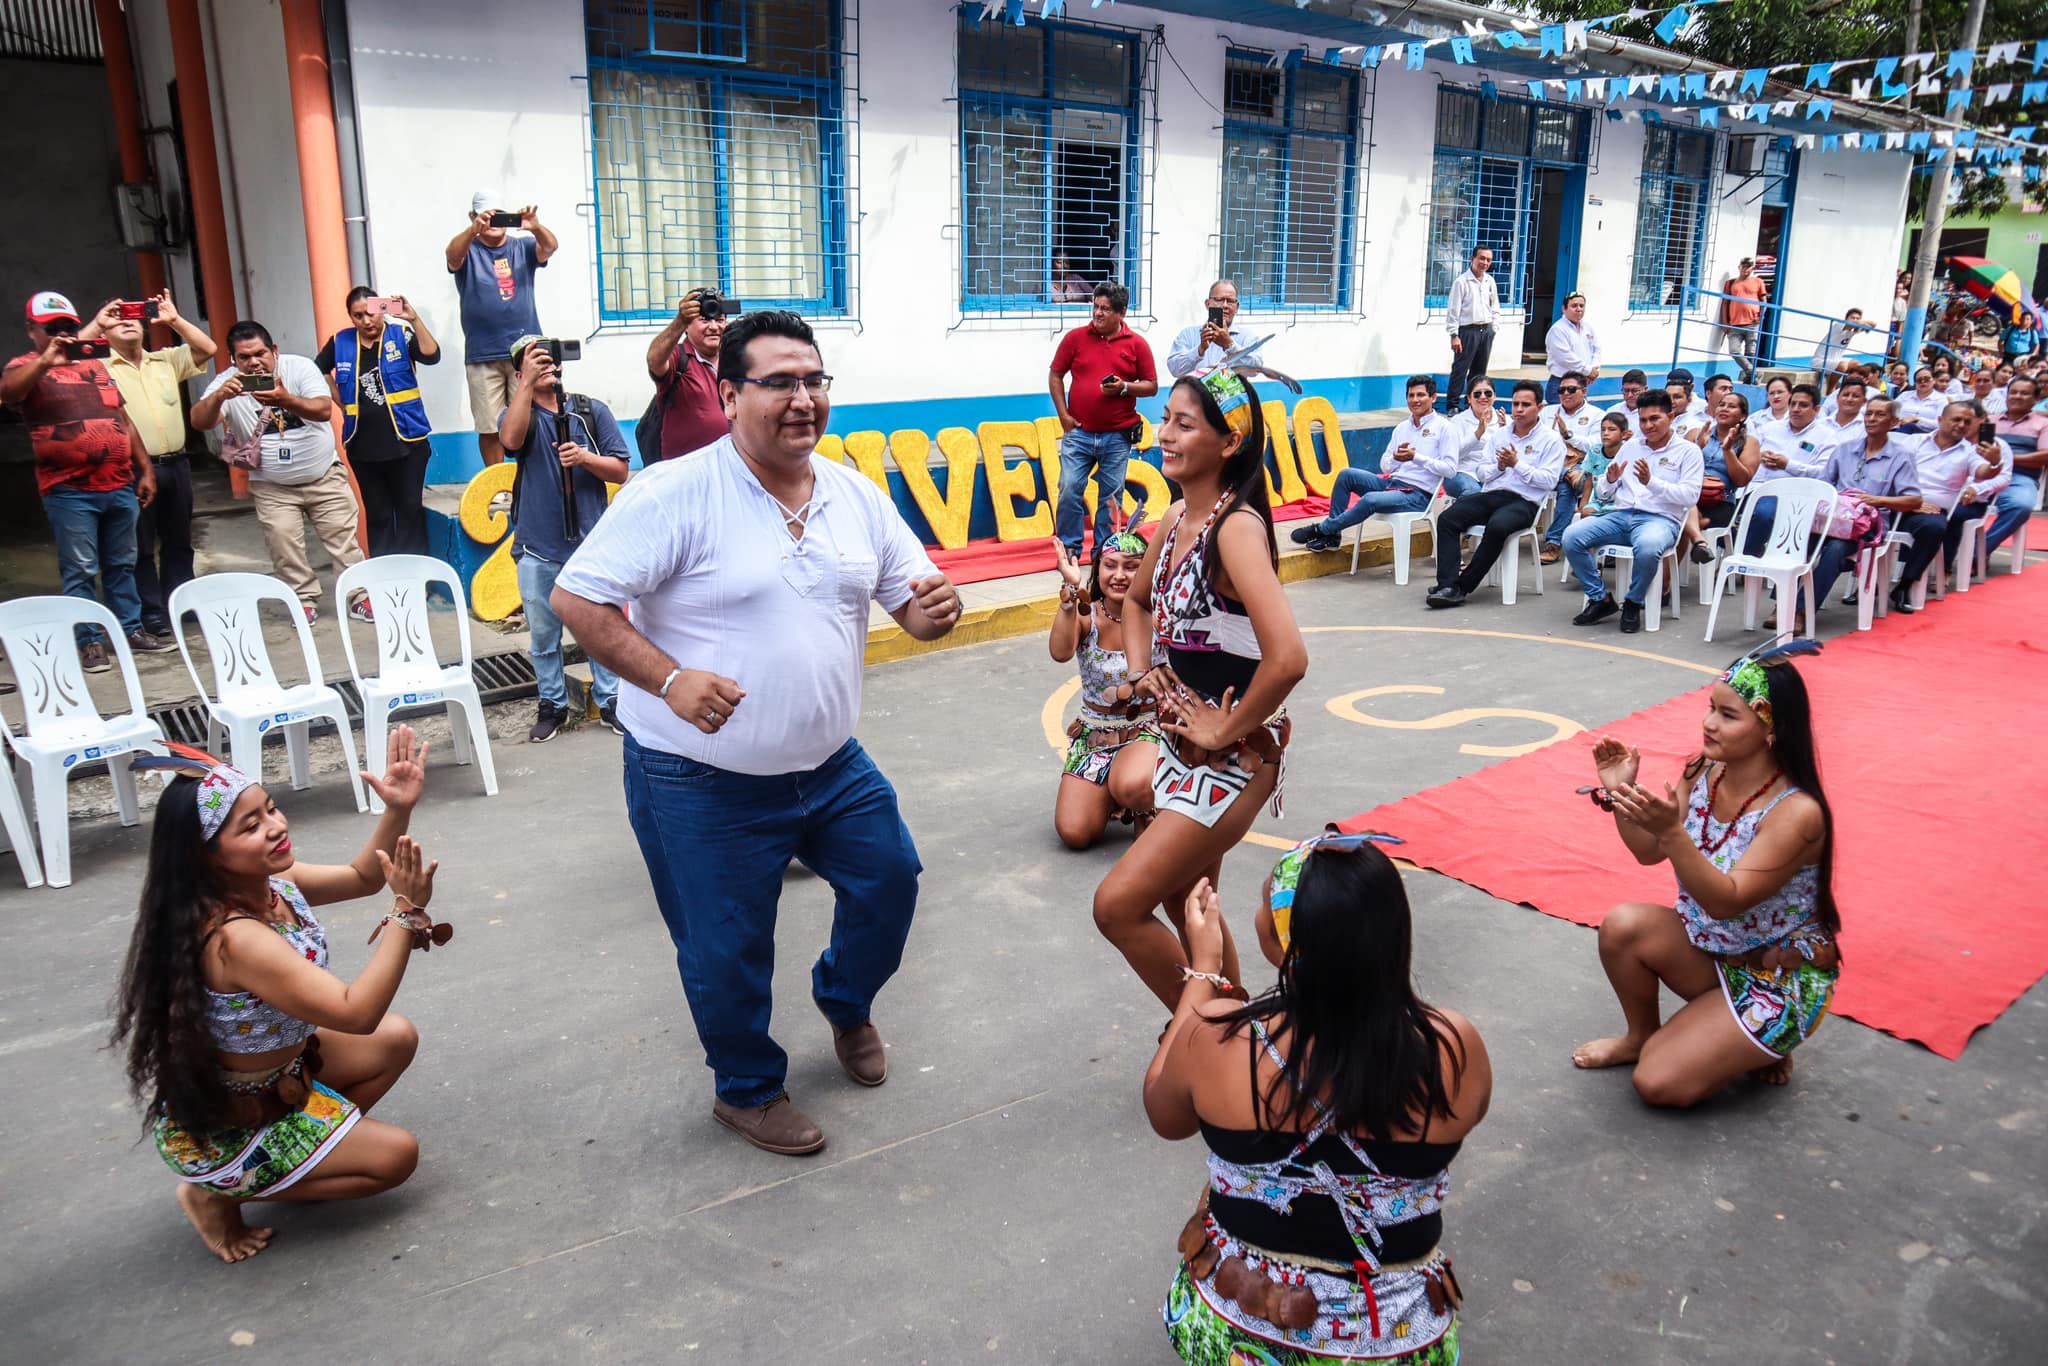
[2034,92]
[1333,56]
[1292,60]
[1550,40]
[1596,87]
[2040,53]
[1670,24]
[1638,84]
[1753,80]
[1369,60]
[1572,88]
[1820,109]
[1461,51]
[1475,28]
[1723,80]
[1894,141]
[1830,142]
[1014,11]
[1488,92]
[1417,54]
[1884,67]
[1804,142]
[1966,137]
[1819,74]
[1390,52]
[1508,38]
[1945,138]
[1738,112]
[1575,36]
[1959,63]
[1759,112]
[1695,85]
[1860,90]
[1919,142]
[1892,90]
[1536,89]
[1667,87]
[1928,85]
[1652,116]
[1051,8]
[1710,117]
[1923,60]
[1784,108]
[1994,94]
[2001,53]
[1958,100]
[1616,89]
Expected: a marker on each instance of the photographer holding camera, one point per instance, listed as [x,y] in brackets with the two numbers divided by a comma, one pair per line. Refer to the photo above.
[682,360]
[152,385]
[568,447]
[91,468]
[384,424]
[273,412]
[493,260]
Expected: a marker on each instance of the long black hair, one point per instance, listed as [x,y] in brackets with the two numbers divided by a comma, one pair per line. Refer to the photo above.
[1358,1037]
[1793,747]
[160,1012]
[1244,471]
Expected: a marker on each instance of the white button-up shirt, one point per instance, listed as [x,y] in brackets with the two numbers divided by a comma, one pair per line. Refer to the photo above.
[1539,462]
[1471,440]
[1924,411]
[1567,346]
[1474,301]
[1676,472]
[697,550]
[1806,450]
[1946,472]
[1188,355]
[1581,429]
[1436,453]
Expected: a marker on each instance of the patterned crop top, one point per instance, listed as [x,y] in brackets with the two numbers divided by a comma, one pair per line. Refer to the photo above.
[1787,916]
[240,1021]
[1103,671]
[1208,636]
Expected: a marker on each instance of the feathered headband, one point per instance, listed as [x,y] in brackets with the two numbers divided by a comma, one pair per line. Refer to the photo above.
[1746,675]
[220,784]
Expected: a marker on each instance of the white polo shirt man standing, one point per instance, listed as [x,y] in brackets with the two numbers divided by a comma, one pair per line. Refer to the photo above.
[749,569]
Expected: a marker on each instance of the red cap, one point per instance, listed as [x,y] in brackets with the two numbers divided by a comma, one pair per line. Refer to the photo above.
[47,306]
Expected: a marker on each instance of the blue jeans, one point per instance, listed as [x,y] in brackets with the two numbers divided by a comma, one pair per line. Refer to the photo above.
[95,535]
[1359,494]
[717,844]
[1647,534]
[1082,453]
[1459,485]
[2015,505]
[1742,347]
[544,638]
[1567,507]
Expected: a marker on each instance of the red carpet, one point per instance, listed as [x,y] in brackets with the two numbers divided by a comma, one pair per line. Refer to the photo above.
[992,559]
[1934,750]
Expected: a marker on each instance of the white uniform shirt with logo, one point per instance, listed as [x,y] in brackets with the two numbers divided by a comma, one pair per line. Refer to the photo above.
[1436,452]
[1581,429]
[1472,441]
[1630,416]
[1806,451]
[697,552]
[1676,473]
[1539,462]
[1567,346]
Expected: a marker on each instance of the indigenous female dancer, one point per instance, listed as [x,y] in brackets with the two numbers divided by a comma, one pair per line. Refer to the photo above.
[1113,743]
[229,1012]
[1332,1107]
[1232,653]
[1751,944]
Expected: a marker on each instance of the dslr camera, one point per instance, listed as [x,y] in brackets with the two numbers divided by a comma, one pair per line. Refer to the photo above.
[718,306]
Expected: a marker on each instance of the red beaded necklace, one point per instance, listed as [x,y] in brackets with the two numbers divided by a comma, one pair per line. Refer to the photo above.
[1710,845]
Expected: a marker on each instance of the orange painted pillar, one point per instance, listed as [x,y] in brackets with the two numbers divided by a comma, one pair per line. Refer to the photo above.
[305,55]
[127,110]
[202,170]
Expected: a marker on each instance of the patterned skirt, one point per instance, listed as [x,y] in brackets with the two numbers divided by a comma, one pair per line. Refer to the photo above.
[1778,1008]
[245,1162]
[1203,792]
[1204,1337]
[1090,753]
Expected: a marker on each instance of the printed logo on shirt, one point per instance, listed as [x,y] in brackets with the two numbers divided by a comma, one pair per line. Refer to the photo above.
[507,285]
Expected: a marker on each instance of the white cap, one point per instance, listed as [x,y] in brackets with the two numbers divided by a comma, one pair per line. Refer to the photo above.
[483,199]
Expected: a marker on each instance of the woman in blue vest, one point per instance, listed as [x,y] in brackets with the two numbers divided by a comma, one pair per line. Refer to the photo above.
[383,422]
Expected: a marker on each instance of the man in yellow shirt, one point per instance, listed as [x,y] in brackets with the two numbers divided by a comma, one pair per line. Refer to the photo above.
[152,389]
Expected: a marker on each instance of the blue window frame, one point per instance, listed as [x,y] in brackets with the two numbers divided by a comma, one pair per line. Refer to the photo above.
[1482,192]
[1050,115]
[1671,216]
[1290,142]
[719,135]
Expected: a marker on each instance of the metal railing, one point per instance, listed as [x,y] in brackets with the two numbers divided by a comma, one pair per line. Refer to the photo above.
[1819,350]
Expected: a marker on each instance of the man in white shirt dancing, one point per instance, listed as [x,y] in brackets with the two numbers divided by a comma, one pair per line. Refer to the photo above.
[1652,484]
[1472,310]
[749,569]
[1524,462]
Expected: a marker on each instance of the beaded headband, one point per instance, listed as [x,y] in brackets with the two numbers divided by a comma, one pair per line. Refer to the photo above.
[1747,677]
[1126,543]
[220,785]
[1286,874]
[1232,398]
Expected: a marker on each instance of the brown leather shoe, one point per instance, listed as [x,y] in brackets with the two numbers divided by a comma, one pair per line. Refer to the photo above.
[777,1127]
[861,1054]
[1551,553]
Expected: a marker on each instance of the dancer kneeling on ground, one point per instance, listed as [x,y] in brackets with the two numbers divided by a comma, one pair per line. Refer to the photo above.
[1114,742]
[1332,1107]
[1232,653]
[1751,943]
[260,1063]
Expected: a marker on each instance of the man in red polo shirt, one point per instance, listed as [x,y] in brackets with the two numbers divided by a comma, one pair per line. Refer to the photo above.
[682,360]
[1111,368]
[91,469]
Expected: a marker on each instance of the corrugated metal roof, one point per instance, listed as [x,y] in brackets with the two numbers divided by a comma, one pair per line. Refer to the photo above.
[49,30]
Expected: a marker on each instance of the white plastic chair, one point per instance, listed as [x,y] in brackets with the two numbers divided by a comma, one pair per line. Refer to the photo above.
[1935,576]
[1506,571]
[247,701]
[14,821]
[1788,557]
[1668,575]
[1976,553]
[65,727]
[1720,540]
[409,675]
[1402,525]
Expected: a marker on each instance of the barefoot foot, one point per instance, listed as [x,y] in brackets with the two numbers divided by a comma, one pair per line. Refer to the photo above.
[1776,1073]
[219,1221]
[1608,1052]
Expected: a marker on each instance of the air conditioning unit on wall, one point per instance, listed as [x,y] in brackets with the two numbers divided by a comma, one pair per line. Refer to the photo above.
[1746,156]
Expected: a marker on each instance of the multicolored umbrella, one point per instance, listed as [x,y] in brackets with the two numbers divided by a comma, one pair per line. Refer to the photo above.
[1987,280]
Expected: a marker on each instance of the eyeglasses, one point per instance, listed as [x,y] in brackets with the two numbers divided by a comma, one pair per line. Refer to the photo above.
[1570,389]
[784,386]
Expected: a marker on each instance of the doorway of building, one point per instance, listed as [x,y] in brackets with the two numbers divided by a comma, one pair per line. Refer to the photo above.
[1547,285]
[1773,240]
[1088,192]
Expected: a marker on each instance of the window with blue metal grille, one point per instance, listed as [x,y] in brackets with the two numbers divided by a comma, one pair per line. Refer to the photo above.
[1290,139]
[1049,167]
[1481,190]
[720,135]
[1671,216]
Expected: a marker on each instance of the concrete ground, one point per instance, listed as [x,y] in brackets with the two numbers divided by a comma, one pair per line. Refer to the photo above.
[1002,1198]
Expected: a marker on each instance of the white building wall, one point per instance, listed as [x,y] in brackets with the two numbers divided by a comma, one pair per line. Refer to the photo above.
[1848,228]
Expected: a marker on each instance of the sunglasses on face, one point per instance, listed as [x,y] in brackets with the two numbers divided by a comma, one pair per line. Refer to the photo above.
[1569,389]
